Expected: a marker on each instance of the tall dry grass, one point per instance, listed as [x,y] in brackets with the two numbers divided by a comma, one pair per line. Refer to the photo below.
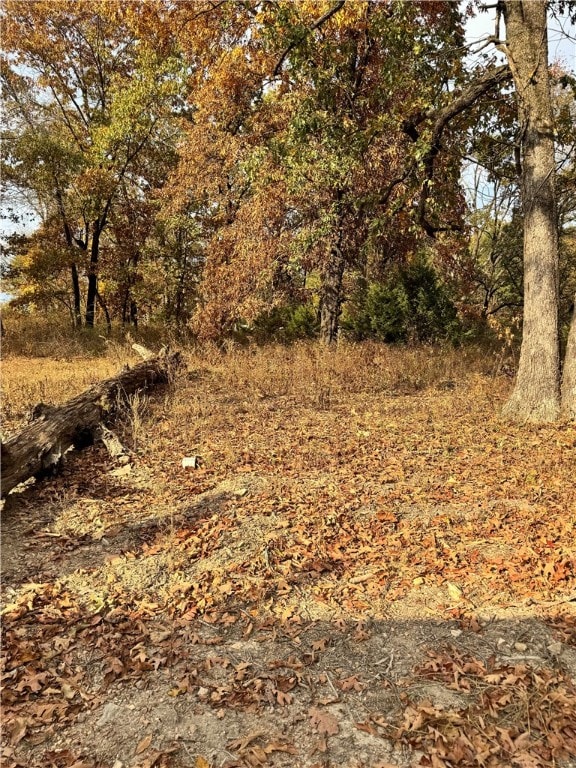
[53,336]
[310,371]
[38,367]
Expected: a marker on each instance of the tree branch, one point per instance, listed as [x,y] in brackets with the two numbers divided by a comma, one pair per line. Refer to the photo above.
[316,25]
[474,91]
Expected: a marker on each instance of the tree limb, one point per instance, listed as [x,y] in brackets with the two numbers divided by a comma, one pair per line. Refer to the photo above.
[316,25]
[441,119]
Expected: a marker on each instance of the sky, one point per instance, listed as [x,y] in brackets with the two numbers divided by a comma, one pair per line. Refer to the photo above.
[561,36]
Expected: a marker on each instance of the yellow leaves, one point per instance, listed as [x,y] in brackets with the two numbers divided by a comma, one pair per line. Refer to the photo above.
[349,16]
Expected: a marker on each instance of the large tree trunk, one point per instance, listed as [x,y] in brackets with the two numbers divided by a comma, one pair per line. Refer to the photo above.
[569,371]
[536,395]
[40,445]
[331,298]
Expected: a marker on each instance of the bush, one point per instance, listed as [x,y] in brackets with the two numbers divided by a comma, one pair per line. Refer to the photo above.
[287,323]
[411,305]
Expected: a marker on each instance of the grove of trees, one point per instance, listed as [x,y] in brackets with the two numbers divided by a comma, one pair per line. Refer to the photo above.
[280,168]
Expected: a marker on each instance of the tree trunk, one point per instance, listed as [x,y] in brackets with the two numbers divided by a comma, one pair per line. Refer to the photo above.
[104,308]
[73,268]
[134,313]
[536,395]
[91,295]
[569,372]
[76,294]
[39,447]
[331,298]
[332,277]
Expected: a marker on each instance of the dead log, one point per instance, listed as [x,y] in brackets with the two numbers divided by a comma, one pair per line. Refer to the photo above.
[38,448]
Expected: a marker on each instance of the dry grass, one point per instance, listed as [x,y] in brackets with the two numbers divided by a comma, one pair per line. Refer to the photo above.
[316,374]
[307,372]
[27,381]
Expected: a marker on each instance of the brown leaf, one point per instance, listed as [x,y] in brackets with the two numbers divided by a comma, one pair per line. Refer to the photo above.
[239,745]
[323,721]
[276,746]
[144,744]
[284,698]
[16,730]
[350,684]
[367,727]
[526,760]
[33,682]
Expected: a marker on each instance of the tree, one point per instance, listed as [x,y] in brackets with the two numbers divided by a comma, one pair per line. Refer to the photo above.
[536,395]
[297,145]
[537,392]
[95,80]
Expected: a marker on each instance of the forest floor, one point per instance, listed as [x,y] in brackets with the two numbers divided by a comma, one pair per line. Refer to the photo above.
[367,568]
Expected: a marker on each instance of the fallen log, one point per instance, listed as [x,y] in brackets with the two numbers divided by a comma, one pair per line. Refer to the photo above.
[38,448]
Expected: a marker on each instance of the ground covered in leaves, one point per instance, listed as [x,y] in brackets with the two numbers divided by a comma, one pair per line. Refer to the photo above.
[360,566]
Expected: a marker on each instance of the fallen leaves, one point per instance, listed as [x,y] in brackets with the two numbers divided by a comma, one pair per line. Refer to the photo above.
[323,722]
[489,729]
[254,754]
[396,502]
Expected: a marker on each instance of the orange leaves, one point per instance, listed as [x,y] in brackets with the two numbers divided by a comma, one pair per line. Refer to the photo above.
[476,732]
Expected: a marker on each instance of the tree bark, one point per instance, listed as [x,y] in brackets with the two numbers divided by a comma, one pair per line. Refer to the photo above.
[77,297]
[536,395]
[39,447]
[104,309]
[569,372]
[93,274]
[332,279]
[331,297]
[73,268]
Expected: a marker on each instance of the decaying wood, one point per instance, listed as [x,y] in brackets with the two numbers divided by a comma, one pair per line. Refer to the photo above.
[111,442]
[39,446]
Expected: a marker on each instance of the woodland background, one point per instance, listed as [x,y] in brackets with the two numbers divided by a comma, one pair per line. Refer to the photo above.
[257,170]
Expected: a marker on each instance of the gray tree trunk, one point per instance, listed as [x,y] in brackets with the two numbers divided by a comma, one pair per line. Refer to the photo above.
[569,372]
[536,395]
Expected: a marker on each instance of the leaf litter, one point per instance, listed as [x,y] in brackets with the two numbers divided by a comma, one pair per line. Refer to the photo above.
[388,580]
